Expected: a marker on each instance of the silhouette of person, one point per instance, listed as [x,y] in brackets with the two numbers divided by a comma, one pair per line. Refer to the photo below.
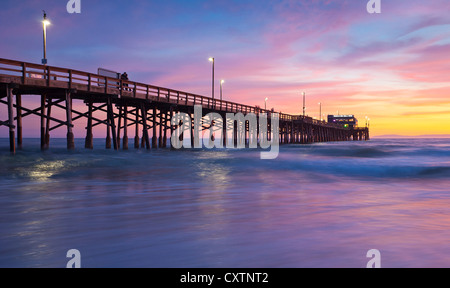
[124,76]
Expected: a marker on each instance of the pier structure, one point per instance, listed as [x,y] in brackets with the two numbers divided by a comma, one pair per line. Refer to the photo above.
[120,105]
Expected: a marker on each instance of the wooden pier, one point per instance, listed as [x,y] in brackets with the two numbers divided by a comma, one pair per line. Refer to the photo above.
[120,104]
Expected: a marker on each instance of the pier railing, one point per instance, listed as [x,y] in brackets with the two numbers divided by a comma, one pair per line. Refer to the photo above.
[55,77]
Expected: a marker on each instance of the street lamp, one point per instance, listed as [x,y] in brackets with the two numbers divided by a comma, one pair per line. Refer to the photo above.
[45,23]
[221,83]
[265,103]
[304,104]
[366,121]
[211,59]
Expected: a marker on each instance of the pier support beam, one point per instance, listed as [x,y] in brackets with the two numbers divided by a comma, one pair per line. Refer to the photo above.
[154,136]
[12,136]
[108,131]
[302,134]
[235,134]
[19,121]
[165,128]
[145,135]
[119,125]
[160,139]
[43,102]
[224,130]
[47,125]
[171,126]
[191,130]
[89,144]
[125,129]
[112,123]
[136,137]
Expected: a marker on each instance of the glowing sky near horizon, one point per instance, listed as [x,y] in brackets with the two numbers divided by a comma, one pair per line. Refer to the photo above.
[393,67]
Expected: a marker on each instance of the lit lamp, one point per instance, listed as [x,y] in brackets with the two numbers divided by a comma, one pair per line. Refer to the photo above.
[45,23]
[265,103]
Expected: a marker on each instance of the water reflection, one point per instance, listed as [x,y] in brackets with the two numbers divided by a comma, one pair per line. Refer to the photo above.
[43,171]
[227,208]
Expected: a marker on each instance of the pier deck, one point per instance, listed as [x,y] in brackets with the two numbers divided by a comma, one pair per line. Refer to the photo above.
[124,103]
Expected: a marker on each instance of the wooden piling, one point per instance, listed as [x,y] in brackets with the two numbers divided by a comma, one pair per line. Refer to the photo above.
[160,136]
[247,134]
[47,125]
[143,140]
[154,136]
[125,128]
[191,130]
[145,127]
[281,132]
[108,130]
[302,134]
[257,128]
[224,128]
[70,136]
[165,129]
[12,136]
[136,137]
[43,103]
[171,126]
[89,143]
[235,134]
[19,121]
[112,124]
[119,124]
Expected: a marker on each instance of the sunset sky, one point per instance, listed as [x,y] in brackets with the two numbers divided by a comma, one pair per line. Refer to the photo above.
[393,67]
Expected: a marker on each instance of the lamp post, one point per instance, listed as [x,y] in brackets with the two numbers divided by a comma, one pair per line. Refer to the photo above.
[211,59]
[45,23]
[304,104]
[221,83]
[265,103]
[366,121]
[320,115]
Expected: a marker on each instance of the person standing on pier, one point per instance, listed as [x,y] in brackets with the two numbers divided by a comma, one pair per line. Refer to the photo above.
[124,76]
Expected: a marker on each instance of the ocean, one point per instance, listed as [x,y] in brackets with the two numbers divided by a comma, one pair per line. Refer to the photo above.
[320,205]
